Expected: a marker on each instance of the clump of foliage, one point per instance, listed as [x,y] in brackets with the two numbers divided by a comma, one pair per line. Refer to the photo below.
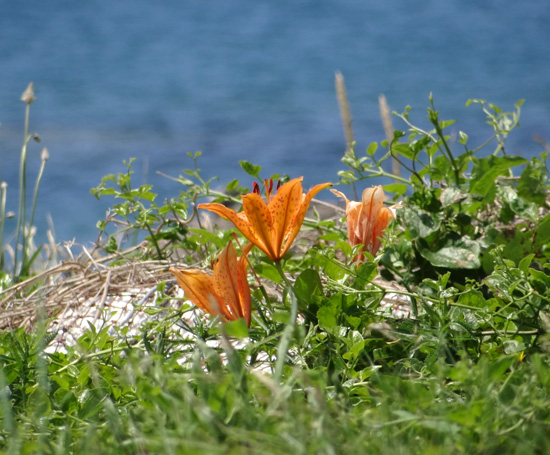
[465,369]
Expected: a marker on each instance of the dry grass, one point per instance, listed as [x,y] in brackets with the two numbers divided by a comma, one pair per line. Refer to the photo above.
[81,292]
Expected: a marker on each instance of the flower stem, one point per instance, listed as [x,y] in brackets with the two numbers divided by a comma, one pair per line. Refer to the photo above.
[282,349]
[282,273]
[288,332]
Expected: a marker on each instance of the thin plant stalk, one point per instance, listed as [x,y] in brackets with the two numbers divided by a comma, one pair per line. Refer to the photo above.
[282,349]
[345,113]
[447,150]
[20,230]
[44,158]
[3,194]
[434,119]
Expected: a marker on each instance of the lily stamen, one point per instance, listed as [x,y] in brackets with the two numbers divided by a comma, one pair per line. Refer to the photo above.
[255,188]
[268,189]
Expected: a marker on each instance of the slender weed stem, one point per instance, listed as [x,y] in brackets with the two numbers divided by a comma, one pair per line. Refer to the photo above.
[282,349]
[20,230]
[44,158]
[3,193]
[288,332]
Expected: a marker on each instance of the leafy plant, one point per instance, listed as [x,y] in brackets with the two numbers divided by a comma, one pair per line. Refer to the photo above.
[438,344]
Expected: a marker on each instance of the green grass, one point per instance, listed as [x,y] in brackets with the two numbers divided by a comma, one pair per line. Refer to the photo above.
[467,372]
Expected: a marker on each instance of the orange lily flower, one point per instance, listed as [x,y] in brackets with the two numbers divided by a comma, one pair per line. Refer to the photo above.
[226,292]
[274,225]
[367,219]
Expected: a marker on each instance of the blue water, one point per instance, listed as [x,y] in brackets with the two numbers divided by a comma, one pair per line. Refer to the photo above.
[248,80]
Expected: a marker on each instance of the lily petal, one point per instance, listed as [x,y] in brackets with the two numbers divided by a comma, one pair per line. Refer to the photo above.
[240,220]
[230,281]
[244,288]
[382,220]
[261,223]
[352,216]
[298,217]
[373,201]
[198,287]
[282,208]
[225,280]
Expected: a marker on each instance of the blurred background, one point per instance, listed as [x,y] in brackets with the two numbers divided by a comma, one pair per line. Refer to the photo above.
[245,80]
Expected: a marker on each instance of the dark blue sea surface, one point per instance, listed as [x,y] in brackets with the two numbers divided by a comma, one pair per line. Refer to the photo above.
[243,80]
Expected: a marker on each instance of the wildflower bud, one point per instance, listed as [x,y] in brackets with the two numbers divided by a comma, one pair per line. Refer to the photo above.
[28,95]
[3,185]
[45,156]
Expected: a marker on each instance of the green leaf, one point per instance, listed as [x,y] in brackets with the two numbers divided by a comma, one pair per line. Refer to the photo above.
[251,169]
[209,237]
[532,183]
[329,312]
[308,285]
[525,263]
[39,403]
[542,278]
[452,195]
[365,273]
[398,188]
[459,254]
[334,270]
[397,134]
[323,258]
[403,150]
[372,148]
[61,381]
[472,298]
[237,329]
[344,246]
[441,168]
[268,271]
[111,246]
[91,405]
[542,234]
[445,123]
[513,347]
[233,184]
[419,223]
[486,171]
[500,366]
[355,351]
